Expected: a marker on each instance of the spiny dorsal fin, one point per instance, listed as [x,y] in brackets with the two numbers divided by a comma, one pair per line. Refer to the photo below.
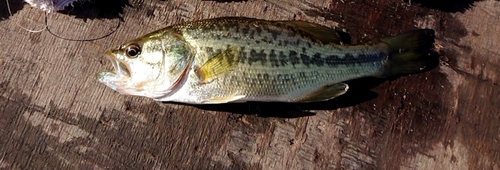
[219,64]
[319,32]
[314,31]
[325,93]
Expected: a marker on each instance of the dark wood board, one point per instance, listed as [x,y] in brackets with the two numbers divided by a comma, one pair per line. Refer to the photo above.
[54,114]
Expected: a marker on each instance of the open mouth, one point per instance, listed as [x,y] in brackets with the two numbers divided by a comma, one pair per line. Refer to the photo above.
[121,68]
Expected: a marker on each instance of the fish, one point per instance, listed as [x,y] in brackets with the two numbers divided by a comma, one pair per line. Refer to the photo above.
[238,59]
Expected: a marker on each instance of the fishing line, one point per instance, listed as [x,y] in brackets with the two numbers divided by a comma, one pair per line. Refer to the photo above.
[19,25]
[72,39]
[46,27]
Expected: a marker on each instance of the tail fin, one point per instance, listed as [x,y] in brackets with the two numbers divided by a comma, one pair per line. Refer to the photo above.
[409,52]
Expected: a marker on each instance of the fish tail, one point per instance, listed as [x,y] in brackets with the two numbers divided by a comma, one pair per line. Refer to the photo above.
[409,52]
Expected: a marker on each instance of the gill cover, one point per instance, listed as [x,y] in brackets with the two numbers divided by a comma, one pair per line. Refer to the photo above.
[158,64]
[178,59]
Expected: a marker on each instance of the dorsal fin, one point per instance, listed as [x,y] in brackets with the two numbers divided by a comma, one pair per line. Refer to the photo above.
[319,32]
[314,31]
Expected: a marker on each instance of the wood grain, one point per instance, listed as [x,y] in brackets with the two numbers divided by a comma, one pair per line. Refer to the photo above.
[54,114]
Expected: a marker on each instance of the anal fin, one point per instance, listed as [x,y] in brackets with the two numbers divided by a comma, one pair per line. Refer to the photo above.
[325,93]
[229,99]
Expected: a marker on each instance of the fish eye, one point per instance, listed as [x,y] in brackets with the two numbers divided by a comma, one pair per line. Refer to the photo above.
[133,50]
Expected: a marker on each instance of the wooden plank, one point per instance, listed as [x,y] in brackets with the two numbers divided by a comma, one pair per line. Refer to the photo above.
[54,113]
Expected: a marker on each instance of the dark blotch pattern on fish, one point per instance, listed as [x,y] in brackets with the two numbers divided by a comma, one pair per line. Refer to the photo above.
[273,58]
[293,57]
[317,60]
[305,59]
[283,58]
[257,56]
[350,59]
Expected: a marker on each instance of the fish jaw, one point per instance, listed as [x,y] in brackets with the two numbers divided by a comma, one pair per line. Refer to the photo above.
[121,68]
[109,79]
[114,79]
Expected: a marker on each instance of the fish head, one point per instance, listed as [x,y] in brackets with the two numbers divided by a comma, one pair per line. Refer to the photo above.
[151,66]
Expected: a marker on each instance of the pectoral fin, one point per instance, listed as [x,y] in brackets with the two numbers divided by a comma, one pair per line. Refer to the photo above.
[229,99]
[325,93]
[218,65]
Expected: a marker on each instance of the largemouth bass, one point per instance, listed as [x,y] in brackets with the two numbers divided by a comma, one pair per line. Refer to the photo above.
[243,59]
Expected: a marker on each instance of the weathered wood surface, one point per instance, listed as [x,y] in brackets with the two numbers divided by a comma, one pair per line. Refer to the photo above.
[54,113]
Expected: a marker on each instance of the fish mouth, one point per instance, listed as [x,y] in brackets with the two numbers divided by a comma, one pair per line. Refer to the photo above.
[116,78]
[121,69]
